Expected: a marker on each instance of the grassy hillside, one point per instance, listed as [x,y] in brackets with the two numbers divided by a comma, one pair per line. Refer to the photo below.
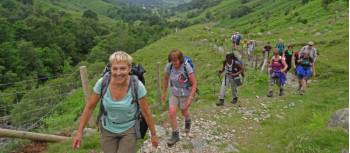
[302,128]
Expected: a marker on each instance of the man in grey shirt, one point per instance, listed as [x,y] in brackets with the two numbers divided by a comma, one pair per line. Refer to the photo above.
[310,48]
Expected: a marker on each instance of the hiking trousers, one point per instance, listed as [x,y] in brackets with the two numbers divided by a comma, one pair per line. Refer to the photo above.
[124,142]
[273,81]
[226,82]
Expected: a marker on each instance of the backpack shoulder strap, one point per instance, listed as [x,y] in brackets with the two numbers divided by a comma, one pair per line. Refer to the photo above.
[104,87]
[186,71]
[135,86]
[171,67]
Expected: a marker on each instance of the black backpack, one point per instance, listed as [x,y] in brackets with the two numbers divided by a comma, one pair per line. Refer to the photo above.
[136,69]
[137,72]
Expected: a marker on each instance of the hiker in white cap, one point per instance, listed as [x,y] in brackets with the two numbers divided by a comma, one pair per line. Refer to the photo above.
[311,50]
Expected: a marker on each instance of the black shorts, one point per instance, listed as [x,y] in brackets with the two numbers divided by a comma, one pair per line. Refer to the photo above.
[237,42]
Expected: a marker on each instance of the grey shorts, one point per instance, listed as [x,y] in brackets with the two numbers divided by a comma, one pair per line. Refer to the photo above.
[124,142]
[179,101]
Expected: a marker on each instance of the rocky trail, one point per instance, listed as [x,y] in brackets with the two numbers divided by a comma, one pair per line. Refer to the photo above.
[222,129]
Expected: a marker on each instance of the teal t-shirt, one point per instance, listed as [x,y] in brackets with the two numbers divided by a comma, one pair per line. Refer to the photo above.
[120,113]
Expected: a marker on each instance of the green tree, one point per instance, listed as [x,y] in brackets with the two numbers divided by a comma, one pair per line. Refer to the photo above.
[90,14]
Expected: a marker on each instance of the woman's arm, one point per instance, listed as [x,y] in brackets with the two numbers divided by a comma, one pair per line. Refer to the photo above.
[194,84]
[270,62]
[88,110]
[285,66]
[240,70]
[293,60]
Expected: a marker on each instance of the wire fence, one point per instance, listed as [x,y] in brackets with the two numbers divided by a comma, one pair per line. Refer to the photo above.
[27,109]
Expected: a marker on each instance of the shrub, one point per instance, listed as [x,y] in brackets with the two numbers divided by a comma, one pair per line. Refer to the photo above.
[241,11]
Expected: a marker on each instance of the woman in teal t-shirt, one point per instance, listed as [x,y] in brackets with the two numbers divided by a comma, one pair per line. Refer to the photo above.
[118,134]
[280,46]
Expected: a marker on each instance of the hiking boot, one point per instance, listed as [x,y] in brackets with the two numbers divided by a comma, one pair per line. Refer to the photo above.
[175,137]
[281,92]
[270,94]
[299,88]
[234,100]
[187,126]
[220,102]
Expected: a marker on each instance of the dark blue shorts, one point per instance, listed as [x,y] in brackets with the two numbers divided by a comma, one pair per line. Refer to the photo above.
[303,72]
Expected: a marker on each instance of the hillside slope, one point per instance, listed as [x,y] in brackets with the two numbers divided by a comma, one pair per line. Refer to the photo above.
[295,123]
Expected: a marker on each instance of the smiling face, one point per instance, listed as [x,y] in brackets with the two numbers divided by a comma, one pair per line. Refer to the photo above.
[120,72]
[310,46]
[176,58]
[175,61]
[120,63]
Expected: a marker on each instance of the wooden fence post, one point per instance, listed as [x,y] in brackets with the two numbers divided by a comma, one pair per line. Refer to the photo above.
[86,89]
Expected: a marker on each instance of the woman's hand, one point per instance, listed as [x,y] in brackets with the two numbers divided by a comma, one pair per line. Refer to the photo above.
[234,75]
[220,71]
[77,140]
[155,141]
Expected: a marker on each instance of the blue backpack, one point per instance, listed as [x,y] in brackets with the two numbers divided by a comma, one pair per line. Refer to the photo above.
[188,60]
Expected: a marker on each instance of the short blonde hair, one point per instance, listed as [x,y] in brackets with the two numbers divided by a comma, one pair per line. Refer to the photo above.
[120,56]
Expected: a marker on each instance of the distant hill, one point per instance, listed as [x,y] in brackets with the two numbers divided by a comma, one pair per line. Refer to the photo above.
[153,3]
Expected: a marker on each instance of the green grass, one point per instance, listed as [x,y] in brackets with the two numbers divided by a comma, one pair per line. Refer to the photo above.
[304,128]
[89,144]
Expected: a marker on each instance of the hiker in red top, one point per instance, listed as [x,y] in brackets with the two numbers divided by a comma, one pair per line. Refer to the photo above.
[277,70]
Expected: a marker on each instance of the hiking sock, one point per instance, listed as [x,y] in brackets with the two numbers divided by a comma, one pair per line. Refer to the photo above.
[281,92]
[175,137]
[188,125]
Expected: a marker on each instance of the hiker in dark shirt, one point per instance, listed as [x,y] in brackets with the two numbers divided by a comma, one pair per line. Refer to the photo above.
[288,54]
[266,50]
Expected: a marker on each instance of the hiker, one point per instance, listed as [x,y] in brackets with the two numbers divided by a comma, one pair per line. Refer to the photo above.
[183,86]
[118,121]
[280,46]
[232,69]
[250,49]
[288,55]
[277,71]
[238,39]
[233,39]
[304,71]
[311,50]
[266,50]
[295,59]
